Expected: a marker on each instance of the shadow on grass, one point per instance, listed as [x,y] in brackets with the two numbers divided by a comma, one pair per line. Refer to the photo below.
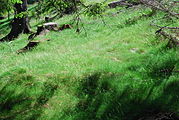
[21,97]
[102,95]
[102,101]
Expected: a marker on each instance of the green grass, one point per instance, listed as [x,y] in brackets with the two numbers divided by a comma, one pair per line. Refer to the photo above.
[112,73]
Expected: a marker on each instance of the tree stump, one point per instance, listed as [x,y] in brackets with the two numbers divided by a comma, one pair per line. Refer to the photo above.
[41,30]
[51,26]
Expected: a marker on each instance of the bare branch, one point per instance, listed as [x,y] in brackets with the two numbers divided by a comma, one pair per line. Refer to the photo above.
[158,6]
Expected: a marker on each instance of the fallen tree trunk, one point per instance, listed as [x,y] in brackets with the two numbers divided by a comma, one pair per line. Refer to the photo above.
[43,29]
[165,27]
[158,6]
[47,27]
[31,45]
[155,5]
[173,40]
[122,3]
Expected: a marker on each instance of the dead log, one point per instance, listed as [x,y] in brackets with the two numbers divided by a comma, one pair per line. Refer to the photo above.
[115,4]
[158,6]
[31,45]
[173,40]
[165,27]
[28,47]
[47,27]
[43,29]
[40,31]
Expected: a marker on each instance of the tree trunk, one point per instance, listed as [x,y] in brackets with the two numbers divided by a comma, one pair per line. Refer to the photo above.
[19,24]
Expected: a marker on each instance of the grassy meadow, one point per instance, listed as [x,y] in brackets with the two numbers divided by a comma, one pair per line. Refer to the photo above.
[117,68]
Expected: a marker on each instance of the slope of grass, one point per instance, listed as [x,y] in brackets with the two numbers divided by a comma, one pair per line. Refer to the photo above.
[117,71]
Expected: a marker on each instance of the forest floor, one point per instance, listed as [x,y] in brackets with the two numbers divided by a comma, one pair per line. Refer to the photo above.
[120,70]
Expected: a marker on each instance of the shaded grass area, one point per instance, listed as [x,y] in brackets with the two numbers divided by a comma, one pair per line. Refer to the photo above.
[132,95]
[128,94]
[113,73]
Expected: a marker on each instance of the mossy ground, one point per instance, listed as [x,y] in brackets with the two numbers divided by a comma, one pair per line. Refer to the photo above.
[117,71]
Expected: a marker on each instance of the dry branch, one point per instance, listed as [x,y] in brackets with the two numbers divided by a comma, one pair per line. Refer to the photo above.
[173,40]
[158,6]
[115,4]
